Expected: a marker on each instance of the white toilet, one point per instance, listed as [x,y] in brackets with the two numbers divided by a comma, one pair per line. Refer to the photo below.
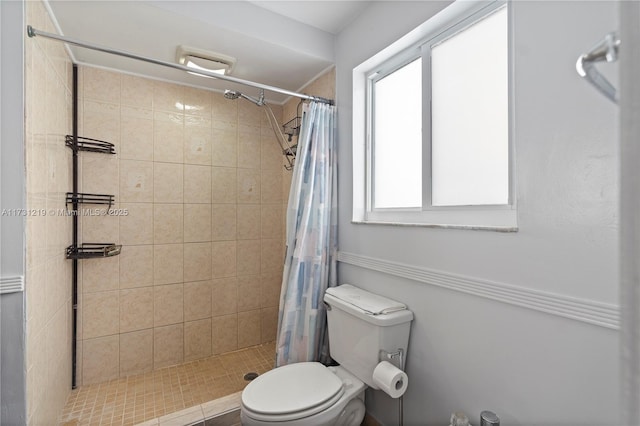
[362,327]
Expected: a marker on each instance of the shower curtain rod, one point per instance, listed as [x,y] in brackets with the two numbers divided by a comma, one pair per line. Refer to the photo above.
[32,32]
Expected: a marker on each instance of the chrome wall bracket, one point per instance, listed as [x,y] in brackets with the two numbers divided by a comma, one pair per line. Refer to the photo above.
[605,51]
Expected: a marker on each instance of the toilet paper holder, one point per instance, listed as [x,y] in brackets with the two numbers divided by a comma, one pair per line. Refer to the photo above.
[398,354]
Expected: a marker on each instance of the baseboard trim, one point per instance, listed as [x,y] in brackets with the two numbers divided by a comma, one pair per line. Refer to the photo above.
[584,310]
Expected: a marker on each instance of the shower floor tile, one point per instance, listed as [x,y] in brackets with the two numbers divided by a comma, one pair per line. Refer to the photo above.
[136,399]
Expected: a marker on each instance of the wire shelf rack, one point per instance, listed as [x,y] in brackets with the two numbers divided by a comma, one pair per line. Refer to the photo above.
[88,144]
[84,198]
[93,250]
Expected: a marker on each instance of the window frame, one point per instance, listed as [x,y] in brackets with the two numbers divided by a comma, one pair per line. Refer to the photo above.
[501,217]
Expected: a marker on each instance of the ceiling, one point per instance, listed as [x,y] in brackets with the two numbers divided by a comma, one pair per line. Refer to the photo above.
[278,43]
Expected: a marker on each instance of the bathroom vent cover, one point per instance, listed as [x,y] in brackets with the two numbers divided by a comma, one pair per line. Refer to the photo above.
[203,60]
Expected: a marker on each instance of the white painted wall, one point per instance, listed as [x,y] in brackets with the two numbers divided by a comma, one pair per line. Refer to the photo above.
[12,228]
[470,353]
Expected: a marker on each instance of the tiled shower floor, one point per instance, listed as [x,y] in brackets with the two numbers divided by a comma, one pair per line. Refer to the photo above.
[135,399]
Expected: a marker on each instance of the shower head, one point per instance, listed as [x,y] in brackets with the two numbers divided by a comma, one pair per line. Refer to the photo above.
[231,94]
[234,94]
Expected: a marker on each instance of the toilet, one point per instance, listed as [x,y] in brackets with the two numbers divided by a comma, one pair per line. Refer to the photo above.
[362,327]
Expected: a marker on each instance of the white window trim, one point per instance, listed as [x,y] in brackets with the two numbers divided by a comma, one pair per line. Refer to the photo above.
[499,217]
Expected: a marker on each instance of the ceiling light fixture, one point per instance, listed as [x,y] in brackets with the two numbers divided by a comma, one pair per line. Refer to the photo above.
[203,60]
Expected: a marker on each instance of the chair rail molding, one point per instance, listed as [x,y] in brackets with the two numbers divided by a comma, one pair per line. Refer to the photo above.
[584,310]
[11,284]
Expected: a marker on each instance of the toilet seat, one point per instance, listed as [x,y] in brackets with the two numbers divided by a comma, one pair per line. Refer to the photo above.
[292,392]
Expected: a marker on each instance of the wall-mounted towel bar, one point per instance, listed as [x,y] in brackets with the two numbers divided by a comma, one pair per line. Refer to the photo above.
[606,50]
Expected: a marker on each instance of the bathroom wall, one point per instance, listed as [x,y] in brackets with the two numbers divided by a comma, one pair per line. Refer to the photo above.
[48,229]
[470,349]
[13,403]
[200,178]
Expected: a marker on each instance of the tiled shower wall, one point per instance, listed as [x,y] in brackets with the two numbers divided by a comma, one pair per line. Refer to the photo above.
[48,230]
[202,181]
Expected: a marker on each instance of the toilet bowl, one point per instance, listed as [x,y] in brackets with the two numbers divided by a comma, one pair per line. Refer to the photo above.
[305,393]
[361,326]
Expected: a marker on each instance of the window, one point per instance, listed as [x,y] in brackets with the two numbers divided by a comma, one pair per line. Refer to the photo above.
[436,116]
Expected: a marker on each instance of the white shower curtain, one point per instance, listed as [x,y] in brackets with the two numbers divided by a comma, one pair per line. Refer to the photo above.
[310,262]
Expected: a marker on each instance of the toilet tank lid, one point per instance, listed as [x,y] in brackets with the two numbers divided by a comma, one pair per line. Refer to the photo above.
[372,304]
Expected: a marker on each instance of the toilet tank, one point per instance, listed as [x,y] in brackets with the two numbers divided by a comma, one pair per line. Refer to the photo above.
[361,324]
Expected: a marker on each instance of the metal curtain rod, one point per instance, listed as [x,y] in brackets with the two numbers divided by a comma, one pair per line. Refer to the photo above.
[32,32]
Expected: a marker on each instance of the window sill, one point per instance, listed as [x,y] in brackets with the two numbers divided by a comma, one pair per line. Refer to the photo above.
[497,219]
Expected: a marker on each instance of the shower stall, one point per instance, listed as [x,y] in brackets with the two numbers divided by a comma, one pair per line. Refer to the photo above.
[196,184]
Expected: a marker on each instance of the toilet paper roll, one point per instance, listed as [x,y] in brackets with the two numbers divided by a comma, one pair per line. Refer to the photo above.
[390,379]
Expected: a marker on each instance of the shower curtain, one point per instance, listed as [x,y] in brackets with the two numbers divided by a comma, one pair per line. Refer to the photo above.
[310,262]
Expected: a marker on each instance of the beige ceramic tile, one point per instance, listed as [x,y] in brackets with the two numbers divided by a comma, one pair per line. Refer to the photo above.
[223,262]
[197,184]
[248,257]
[222,405]
[136,309]
[224,109]
[187,416]
[248,186]
[248,147]
[269,324]
[197,300]
[197,339]
[168,97]
[272,259]
[168,304]
[224,222]
[249,293]
[136,227]
[136,139]
[272,220]
[168,263]
[97,227]
[136,352]
[100,359]
[99,274]
[271,186]
[198,102]
[101,85]
[136,181]
[168,223]
[271,285]
[250,114]
[224,296]
[224,147]
[224,334]
[197,223]
[136,266]
[271,153]
[198,140]
[168,345]
[101,121]
[224,185]
[100,314]
[249,328]
[286,185]
[99,174]
[168,137]
[168,183]
[197,261]
[249,223]
[136,91]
